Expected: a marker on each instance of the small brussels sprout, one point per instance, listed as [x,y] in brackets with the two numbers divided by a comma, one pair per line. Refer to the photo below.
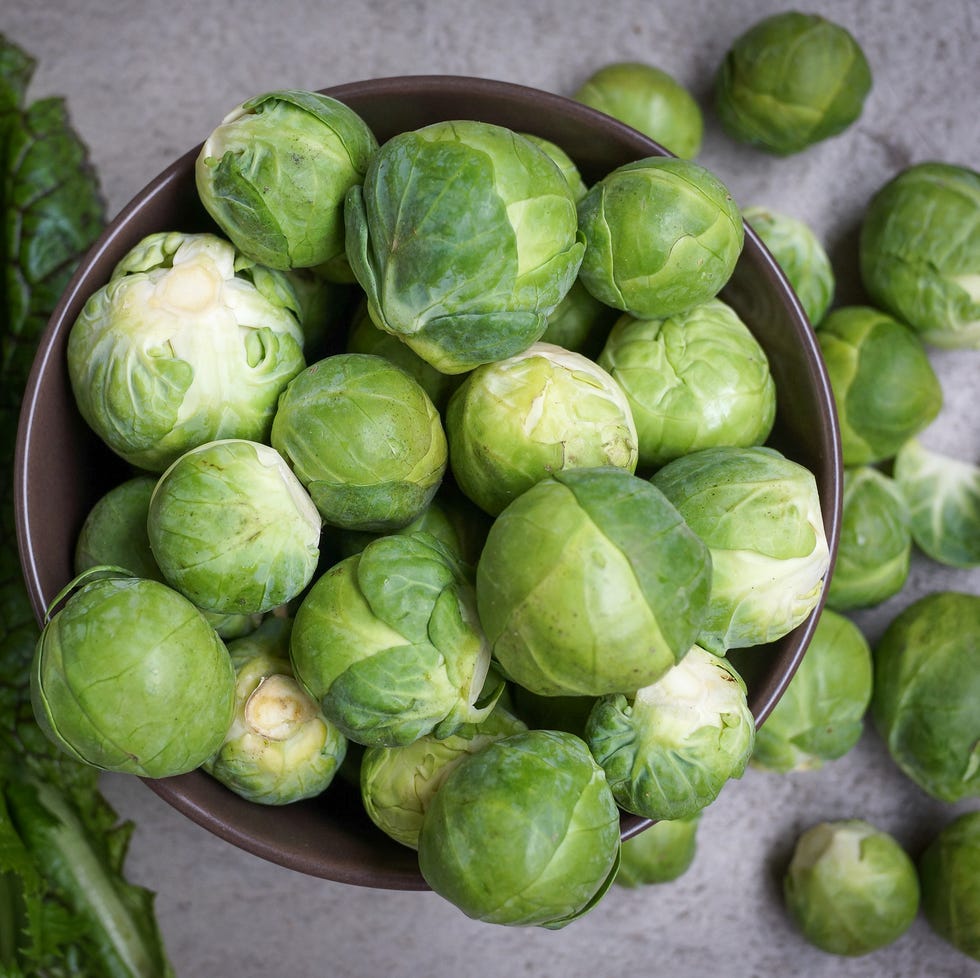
[232,528]
[464,237]
[949,874]
[820,716]
[580,322]
[662,852]
[943,496]
[799,254]
[128,676]
[678,255]
[926,690]
[513,422]
[884,386]
[875,546]
[759,514]
[364,439]
[669,748]
[525,832]
[789,81]
[697,379]
[920,252]
[591,583]
[649,100]
[274,174]
[850,887]
[565,163]
[183,347]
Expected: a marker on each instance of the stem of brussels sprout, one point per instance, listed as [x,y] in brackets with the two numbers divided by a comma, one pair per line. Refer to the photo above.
[277,706]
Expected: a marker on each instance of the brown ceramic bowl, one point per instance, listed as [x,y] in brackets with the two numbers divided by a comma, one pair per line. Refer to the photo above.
[61,468]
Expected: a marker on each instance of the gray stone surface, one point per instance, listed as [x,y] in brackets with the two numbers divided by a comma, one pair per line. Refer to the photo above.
[146,81]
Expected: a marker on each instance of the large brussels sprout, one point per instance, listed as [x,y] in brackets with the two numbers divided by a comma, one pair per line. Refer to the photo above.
[525,832]
[669,748]
[649,100]
[884,386]
[820,716]
[274,174]
[513,422]
[128,676]
[660,853]
[580,322]
[759,514]
[591,583]
[850,887]
[364,439]
[920,252]
[694,380]
[662,235]
[187,343]
[464,237]
[791,80]
[926,690]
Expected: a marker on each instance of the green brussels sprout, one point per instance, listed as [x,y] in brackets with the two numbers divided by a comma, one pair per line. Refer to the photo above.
[920,252]
[799,254]
[279,747]
[820,716]
[187,343]
[513,422]
[875,546]
[759,514]
[884,386]
[565,163]
[661,853]
[389,643]
[591,583]
[398,783]
[649,100]
[679,255]
[791,80]
[128,676]
[274,174]
[850,887]
[525,832]
[364,439]
[926,690]
[949,875]
[669,748]
[694,380]
[580,322]
[464,237]
[943,495]
[232,529]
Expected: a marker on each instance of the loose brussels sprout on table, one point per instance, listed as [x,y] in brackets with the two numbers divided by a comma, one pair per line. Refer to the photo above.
[660,853]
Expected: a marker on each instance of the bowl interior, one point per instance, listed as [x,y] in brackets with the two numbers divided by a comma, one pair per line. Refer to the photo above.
[61,468]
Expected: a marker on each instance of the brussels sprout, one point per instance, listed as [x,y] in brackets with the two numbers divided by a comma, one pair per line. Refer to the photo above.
[364,439]
[669,748]
[232,529]
[580,322]
[949,875]
[388,642]
[662,235]
[565,163]
[920,252]
[759,514]
[875,545]
[181,347]
[884,386]
[799,254]
[926,690]
[279,747]
[591,583]
[128,676]
[850,887]
[274,174]
[464,238]
[820,716]
[943,495]
[694,380]
[649,100]
[398,783]
[660,853]
[789,81]
[513,422]
[525,832]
